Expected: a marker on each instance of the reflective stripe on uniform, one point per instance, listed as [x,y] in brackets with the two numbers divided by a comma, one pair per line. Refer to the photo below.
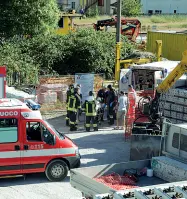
[88,125]
[94,125]
[37,153]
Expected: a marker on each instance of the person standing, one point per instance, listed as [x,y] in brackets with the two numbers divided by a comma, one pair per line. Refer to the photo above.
[90,111]
[73,105]
[122,110]
[79,95]
[132,96]
[69,92]
[111,97]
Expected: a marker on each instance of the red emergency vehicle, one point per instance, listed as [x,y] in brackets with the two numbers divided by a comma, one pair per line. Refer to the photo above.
[28,144]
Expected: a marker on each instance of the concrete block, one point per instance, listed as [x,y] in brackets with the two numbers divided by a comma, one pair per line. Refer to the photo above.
[166,113]
[173,107]
[169,169]
[185,117]
[181,100]
[179,116]
[173,114]
[167,105]
[185,109]
[179,108]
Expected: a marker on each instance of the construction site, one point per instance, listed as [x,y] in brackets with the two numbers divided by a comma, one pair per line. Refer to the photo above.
[42,157]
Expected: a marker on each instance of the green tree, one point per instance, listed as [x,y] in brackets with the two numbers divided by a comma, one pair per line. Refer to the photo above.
[83,51]
[131,7]
[27,17]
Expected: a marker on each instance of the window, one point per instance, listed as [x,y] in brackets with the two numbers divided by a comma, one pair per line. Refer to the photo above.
[36,131]
[175,141]
[183,142]
[158,11]
[8,130]
[100,2]
[150,12]
[61,23]
[73,5]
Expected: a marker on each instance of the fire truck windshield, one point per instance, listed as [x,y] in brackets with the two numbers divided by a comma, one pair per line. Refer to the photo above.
[59,134]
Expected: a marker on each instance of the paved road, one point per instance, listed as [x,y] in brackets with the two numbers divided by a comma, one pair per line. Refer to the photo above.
[102,147]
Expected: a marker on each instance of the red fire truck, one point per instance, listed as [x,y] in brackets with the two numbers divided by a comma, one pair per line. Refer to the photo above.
[28,144]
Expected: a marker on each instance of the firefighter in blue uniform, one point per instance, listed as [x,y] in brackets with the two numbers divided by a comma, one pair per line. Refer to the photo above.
[90,111]
[74,104]
[70,92]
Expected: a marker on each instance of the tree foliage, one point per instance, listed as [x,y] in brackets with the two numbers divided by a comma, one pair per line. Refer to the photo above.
[27,17]
[131,7]
[83,51]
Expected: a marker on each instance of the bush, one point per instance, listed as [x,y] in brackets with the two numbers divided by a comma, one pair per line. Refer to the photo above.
[83,51]
[91,51]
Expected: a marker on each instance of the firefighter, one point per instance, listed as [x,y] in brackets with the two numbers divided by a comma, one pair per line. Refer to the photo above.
[73,106]
[70,92]
[90,111]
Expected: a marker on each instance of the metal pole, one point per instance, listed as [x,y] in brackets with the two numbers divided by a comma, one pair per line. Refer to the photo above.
[118,42]
[118,35]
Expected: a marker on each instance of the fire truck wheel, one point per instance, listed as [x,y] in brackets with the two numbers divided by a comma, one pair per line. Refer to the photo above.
[56,170]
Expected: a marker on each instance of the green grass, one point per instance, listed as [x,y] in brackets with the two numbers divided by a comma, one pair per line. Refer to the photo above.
[168,18]
[161,21]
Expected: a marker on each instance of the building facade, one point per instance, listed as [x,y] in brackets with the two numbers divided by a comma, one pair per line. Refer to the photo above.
[164,6]
[104,6]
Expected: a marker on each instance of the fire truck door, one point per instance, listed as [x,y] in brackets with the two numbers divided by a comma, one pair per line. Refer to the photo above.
[36,152]
[10,151]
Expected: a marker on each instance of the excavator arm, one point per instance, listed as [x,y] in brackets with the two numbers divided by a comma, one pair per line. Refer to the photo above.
[166,84]
[131,30]
[175,74]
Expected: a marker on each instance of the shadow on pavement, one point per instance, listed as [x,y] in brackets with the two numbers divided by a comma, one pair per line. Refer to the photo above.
[37,178]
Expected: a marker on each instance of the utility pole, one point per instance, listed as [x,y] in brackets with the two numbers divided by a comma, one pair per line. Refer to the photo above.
[118,35]
[118,41]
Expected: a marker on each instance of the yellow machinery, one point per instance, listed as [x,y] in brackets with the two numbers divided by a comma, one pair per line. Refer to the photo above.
[133,61]
[66,24]
[175,74]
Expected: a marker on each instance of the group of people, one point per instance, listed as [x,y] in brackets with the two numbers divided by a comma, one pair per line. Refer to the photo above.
[75,107]
[116,105]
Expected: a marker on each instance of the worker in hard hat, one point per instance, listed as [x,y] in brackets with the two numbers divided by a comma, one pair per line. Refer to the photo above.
[70,92]
[90,111]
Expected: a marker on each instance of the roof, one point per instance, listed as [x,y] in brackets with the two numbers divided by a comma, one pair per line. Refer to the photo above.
[9,103]
[170,65]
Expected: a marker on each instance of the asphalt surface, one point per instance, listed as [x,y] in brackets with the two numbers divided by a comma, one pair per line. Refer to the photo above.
[97,148]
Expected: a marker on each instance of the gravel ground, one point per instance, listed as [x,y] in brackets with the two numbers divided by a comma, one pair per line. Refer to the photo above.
[103,147]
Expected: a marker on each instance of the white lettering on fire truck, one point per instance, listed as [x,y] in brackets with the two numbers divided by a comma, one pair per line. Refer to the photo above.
[36,146]
[10,113]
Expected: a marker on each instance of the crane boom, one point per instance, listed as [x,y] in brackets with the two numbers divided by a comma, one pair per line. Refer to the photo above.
[175,74]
